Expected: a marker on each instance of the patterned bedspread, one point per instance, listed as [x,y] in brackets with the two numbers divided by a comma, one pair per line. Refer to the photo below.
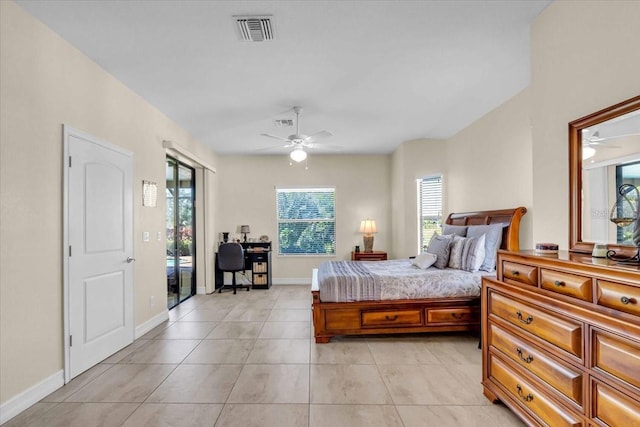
[343,281]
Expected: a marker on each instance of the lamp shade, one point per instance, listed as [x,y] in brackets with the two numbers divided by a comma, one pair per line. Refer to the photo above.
[245,229]
[298,154]
[368,226]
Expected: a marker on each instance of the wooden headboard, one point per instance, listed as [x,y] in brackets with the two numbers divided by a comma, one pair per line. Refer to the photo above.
[509,217]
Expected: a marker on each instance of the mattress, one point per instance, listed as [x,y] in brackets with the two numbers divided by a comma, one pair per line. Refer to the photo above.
[398,279]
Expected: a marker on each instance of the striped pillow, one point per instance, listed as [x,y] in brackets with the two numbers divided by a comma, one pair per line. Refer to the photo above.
[473,252]
[455,255]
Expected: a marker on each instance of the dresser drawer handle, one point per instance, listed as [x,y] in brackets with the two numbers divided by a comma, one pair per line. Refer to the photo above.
[558,283]
[527,359]
[515,272]
[526,321]
[527,398]
[627,300]
[391,318]
[458,316]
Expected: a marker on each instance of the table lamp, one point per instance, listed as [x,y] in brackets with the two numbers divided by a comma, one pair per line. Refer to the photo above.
[244,229]
[368,227]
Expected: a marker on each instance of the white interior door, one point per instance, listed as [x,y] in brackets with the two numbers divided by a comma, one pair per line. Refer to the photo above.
[99,269]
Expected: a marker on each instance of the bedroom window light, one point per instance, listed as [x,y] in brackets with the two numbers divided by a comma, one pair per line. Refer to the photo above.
[306,221]
[429,209]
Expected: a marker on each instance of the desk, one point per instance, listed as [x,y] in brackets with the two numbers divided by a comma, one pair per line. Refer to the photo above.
[257,259]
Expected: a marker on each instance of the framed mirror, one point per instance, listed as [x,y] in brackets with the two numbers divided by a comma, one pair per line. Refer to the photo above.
[604,153]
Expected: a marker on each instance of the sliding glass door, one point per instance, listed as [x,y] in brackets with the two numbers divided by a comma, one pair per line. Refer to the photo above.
[180,232]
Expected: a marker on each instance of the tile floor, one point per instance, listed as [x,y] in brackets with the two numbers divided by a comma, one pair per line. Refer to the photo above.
[250,360]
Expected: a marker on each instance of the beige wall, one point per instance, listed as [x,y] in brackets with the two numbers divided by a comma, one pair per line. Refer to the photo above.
[46,83]
[411,161]
[585,57]
[489,164]
[247,196]
[485,166]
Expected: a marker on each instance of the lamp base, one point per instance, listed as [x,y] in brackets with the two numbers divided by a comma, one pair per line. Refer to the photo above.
[368,243]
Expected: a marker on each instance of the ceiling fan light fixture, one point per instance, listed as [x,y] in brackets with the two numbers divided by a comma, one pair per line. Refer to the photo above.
[298,154]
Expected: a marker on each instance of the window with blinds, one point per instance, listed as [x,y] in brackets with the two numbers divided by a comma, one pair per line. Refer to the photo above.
[429,208]
[306,221]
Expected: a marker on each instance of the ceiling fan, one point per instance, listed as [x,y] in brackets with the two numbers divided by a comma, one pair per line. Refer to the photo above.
[299,141]
[596,139]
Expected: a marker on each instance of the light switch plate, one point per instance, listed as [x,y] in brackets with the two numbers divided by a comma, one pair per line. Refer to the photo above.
[145,236]
[159,236]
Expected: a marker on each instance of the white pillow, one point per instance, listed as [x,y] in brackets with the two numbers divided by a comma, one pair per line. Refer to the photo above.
[424,260]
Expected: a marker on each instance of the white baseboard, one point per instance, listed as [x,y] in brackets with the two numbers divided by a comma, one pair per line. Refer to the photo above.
[151,323]
[292,281]
[201,290]
[30,396]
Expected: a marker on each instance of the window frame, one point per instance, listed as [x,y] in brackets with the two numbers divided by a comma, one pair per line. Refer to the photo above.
[279,220]
[438,218]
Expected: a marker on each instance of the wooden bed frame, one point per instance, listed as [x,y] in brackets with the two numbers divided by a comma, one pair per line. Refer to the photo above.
[417,315]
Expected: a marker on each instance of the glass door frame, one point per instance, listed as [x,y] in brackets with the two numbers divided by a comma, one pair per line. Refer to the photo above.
[176,260]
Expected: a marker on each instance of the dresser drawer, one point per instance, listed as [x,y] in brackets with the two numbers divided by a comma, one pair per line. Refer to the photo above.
[618,296]
[520,273]
[452,316]
[617,356]
[391,318]
[614,408]
[561,332]
[530,396]
[567,284]
[563,378]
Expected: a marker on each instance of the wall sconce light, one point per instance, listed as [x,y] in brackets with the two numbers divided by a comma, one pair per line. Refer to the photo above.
[149,194]
[368,227]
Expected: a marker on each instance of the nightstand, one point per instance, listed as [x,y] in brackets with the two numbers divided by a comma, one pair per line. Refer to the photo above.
[369,256]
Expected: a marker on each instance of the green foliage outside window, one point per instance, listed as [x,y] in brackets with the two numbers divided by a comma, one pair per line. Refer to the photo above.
[306,221]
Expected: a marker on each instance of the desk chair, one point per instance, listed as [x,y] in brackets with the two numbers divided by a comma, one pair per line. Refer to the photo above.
[231,259]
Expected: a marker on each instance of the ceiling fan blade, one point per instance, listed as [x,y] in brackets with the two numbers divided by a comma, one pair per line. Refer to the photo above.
[601,143]
[316,145]
[318,135]
[275,137]
[273,147]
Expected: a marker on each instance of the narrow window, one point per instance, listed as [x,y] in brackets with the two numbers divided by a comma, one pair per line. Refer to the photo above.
[429,209]
[306,221]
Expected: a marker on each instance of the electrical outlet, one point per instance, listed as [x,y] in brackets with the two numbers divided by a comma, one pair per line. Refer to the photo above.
[152,301]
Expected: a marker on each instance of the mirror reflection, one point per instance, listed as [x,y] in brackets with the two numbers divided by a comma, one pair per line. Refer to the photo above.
[610,159]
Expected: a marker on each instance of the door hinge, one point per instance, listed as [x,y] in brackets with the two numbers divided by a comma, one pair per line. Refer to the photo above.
[69,161]
[70,340]
[69,250]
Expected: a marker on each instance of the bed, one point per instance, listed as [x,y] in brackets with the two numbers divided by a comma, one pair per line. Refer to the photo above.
[386,314]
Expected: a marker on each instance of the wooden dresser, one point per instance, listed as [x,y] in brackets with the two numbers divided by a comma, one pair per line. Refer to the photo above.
[561,339]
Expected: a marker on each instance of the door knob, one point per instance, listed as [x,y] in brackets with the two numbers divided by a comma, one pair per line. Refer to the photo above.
[129,259]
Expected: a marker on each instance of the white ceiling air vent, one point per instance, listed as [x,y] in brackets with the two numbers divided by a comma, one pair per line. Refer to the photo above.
[255,28]
[283,123]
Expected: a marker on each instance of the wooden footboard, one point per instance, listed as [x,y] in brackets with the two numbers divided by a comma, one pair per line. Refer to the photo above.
[417,315]
[393,317]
